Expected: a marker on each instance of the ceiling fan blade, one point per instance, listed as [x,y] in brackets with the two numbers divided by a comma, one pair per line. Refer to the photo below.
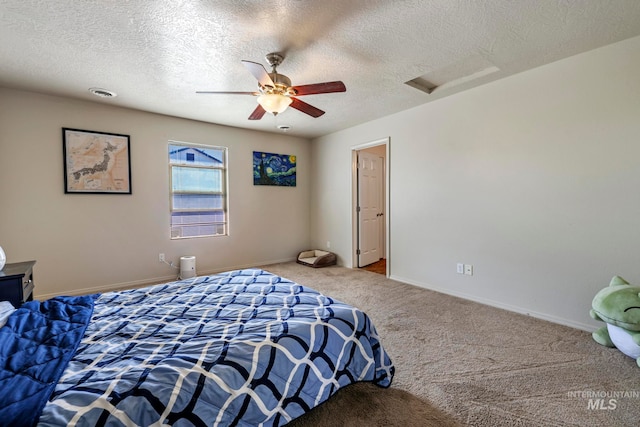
[227,93]
[257,113]
[306,108]
[259,72]
[327,87]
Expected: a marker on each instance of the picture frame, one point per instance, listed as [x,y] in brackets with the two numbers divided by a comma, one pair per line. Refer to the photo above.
[274,169]
[96,162]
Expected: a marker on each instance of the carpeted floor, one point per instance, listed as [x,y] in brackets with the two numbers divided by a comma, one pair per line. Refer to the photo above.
[462,363]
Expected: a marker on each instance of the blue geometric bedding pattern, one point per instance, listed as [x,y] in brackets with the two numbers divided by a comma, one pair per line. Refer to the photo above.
[242,348]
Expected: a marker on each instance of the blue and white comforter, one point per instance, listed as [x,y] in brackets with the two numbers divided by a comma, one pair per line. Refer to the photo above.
[244,348]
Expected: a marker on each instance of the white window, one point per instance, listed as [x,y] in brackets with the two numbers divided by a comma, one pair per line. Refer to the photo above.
[198,190]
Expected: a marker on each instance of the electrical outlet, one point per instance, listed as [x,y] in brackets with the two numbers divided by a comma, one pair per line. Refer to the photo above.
[161,257]
[328,244]
[460,268]
[468,269]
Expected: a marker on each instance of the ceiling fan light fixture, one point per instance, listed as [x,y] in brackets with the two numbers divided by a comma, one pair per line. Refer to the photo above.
[274,103]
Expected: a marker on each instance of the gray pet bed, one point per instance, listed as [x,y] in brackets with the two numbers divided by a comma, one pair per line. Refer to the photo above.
[316,258]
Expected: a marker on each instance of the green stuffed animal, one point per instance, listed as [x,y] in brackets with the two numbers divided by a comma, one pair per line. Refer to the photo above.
[618,305]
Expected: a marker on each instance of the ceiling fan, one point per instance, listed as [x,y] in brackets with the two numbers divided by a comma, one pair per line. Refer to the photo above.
[275,92]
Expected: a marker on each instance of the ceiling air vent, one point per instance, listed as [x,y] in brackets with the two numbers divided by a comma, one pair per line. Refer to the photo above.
[422,84]
[102,93]
[474,67]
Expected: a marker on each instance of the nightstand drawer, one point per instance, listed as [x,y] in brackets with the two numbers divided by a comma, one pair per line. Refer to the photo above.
[16,283]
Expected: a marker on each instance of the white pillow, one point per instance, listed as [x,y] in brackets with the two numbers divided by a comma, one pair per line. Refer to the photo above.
[6,309]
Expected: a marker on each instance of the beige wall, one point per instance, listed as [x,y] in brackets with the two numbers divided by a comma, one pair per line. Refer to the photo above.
[92,242]
[534,180]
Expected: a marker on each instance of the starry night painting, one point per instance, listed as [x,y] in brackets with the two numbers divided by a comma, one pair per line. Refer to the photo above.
[274,169]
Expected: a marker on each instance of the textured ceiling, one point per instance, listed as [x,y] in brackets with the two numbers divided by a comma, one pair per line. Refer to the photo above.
[156,54]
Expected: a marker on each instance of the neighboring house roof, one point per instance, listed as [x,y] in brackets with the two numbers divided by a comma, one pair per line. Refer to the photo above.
[204,153]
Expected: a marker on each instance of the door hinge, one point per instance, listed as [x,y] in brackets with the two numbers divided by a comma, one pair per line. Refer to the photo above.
[358,209]
[357,251]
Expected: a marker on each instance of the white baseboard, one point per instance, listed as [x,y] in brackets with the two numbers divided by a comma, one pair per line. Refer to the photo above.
[497,304]
[150,281]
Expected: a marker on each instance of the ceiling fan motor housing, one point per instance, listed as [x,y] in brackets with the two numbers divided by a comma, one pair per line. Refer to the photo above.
[281,81]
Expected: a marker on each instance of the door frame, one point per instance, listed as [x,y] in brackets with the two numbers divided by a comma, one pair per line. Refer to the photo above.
[354,200]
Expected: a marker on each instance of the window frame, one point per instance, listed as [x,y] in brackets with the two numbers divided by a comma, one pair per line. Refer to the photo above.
[224,193]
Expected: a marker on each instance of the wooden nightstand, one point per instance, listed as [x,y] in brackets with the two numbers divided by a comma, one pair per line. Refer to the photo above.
[16,283]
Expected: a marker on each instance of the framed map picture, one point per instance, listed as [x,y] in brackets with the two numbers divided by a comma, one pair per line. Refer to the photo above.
[274,169]
[96,162]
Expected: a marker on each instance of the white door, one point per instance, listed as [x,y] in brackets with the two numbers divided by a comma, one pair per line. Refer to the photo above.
[369,208]
[381,220]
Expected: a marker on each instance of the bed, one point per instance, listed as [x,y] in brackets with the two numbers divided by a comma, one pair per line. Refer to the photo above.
[243,348]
